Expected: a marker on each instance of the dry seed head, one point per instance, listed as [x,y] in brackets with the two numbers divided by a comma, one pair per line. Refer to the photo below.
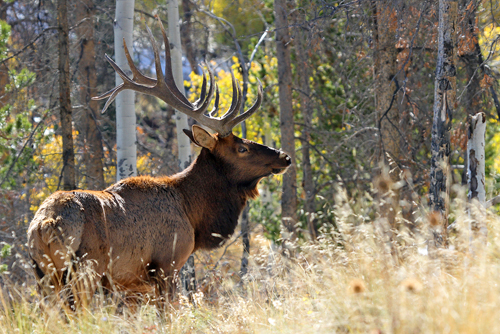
[224,268]
[383,183]
[357,285]
[435,218]
[411,285]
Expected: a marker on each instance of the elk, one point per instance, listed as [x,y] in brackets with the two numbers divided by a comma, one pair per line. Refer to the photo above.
[139,232]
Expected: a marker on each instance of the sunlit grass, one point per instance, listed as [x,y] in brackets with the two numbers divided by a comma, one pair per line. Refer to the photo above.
[354,280]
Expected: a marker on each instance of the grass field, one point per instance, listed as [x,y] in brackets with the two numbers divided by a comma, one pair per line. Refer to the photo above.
[362,278]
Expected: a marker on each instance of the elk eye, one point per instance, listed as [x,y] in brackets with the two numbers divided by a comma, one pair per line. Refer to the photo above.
[242,149]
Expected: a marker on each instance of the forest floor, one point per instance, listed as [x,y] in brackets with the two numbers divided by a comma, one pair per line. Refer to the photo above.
[362,278]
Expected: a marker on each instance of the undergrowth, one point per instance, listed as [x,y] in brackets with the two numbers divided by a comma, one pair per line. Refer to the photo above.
[364,276]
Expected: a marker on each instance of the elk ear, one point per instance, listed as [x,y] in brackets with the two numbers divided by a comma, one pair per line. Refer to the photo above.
[189,133]
[203,138]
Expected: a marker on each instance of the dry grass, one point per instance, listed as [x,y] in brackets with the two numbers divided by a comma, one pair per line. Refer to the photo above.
[360,279]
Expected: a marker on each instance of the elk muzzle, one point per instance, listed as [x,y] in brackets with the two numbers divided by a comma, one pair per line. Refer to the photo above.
[287,161]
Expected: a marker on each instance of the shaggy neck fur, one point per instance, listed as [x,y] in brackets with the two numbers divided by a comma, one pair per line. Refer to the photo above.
[211,200]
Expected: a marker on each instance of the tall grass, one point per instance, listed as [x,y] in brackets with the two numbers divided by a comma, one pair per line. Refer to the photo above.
[358,278]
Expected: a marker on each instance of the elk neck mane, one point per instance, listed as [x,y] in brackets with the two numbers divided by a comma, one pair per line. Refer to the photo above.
[210,199]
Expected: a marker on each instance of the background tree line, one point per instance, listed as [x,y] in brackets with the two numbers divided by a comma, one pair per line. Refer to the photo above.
[349,90]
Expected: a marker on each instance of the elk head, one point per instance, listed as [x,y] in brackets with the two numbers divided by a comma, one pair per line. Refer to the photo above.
[244,162]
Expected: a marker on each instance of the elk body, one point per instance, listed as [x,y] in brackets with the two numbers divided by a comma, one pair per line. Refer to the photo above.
[140,231]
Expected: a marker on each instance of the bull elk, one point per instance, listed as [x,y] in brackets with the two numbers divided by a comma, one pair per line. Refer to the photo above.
[140,231]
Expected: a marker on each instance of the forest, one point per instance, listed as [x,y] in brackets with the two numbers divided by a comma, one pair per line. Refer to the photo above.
[387,219]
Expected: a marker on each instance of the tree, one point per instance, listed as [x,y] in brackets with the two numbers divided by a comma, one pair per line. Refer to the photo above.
[187,42]
[68,172]
[87,80]
[126,155]
[444,101]
[304,73]
[183,143]
[385,78]
[289,195]
[4,71]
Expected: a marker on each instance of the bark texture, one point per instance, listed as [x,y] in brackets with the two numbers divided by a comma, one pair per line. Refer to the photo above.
[470,54]
[385,82]
[386,69]
[126,154]
[476,177]
[183,143]
[4,71]
[87,83]
[181,121]
[289,196]
[444,101]
[476,158]
[187,41]
[245,238]
[304,73]
[68,172]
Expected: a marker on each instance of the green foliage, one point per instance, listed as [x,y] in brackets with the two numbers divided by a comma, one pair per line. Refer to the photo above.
[20,80]
[15,128]
[264,209]
[5,252]
[244,17]
[4,37]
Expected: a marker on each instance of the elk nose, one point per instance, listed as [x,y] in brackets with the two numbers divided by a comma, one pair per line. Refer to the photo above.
[286,157]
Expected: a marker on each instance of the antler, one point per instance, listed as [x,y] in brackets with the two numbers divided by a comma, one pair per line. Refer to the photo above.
[164,88]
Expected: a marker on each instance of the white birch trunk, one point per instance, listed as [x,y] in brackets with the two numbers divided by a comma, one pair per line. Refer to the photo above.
[265,192]
[476,161]
[476,172]
[181,122]
[126,155]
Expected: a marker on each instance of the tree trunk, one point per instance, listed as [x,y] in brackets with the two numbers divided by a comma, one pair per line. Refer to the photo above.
[476,174]
[304,73]
[87,79]
[470,53]
[187,42]
[245,237]
[181,121]
[126,153]
[385,81]
[184,146]
[68,172]
[4,71]
[475,155]
[444,101]
[289,196]
[386,104]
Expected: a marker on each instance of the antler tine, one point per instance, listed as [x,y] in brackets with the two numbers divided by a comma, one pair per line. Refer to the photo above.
[164,88]
[169,77]
[235,99]
[112,93]
[215,109]
[232,123]
[136,74]
[105,95]
[201,109]
[236,103]
[112,98]
[203,88]
[160,80]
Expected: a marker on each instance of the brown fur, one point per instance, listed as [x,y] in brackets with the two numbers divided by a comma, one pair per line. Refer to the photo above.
[143,226]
